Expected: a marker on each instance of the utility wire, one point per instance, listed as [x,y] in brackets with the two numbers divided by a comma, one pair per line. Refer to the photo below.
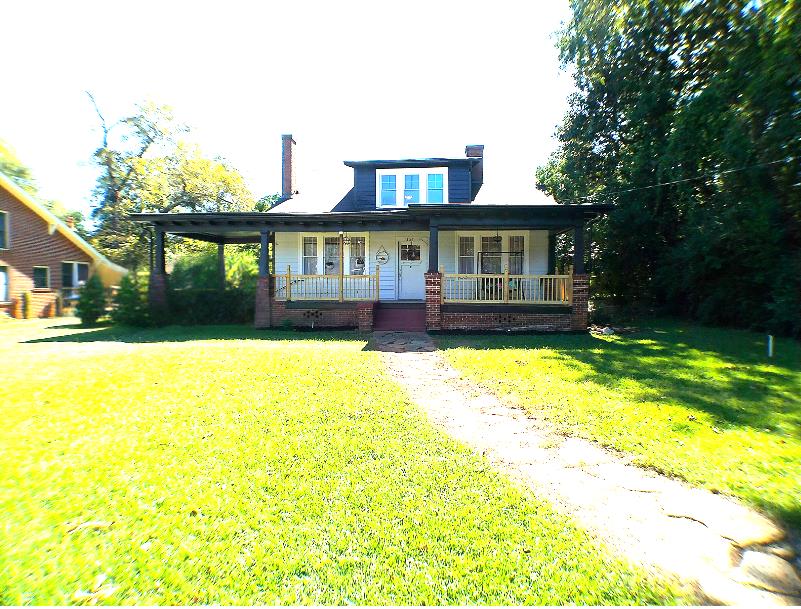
[708,176]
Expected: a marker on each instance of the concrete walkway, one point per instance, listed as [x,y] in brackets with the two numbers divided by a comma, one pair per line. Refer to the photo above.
[728,552]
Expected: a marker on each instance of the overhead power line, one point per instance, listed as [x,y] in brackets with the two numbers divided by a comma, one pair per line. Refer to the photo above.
[683,180]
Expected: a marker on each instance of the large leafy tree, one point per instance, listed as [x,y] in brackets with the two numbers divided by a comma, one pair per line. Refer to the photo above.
[687,116]
[145,166]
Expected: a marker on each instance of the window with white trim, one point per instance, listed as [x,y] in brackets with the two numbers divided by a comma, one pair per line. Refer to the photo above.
[41,277]
[310,255]
[491,256]
[436,184]
[74,274]
[516,254]
[402,187]
[331,255]
[411,188]
[358,255]
[4,284]
[389,190]
[4,236]
[467,255]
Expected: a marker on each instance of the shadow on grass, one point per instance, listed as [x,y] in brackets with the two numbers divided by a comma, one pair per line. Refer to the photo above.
[725,373]
[168,334]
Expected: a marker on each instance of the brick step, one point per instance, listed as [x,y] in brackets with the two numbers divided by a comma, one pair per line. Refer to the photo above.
[409,319]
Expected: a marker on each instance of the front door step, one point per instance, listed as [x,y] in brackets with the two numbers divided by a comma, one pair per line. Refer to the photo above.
[408,317]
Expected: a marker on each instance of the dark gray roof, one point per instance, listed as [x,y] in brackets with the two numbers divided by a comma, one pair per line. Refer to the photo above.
[432,162]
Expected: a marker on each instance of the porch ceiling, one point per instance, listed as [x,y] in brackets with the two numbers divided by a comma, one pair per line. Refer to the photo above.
[246,227]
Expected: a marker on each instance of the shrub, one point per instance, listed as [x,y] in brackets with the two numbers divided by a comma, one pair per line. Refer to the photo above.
[130,304]
[208,306]
[92,302]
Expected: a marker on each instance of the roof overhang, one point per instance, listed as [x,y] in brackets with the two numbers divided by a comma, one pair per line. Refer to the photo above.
[246,227]
[433,162]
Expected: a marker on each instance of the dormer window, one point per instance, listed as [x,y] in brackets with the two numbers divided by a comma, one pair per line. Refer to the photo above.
[433,179]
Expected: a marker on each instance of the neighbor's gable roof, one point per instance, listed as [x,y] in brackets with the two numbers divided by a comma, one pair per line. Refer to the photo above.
[108,271]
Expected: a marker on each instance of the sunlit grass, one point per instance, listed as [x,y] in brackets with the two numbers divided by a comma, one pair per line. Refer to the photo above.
[225,465]
[703,404]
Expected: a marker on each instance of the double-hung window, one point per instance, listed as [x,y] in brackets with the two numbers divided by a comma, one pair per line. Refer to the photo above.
[467,255]
[310,255]
[357,255]
[4,284]
[41,277]
[4,236]
[491,256]
[516,254]
[436,188]
[411,188]
[331,255]
[74,274]
[389,190]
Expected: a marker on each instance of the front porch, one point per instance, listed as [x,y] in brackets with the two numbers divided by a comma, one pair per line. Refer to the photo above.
[470,267]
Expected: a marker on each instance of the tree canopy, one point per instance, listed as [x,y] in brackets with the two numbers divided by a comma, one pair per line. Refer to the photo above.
[687,116]
[147,166]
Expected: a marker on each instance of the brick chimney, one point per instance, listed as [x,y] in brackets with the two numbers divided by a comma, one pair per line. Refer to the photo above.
[71,222]
[288,186]
[475,151]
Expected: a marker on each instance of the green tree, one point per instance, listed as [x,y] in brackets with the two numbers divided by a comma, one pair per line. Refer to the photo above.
[130,303]
[92,301]
[147,167]
[14,168]
[686,116]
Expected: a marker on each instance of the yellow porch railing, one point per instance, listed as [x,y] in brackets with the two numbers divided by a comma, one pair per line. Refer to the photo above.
[506,288]
[340,288]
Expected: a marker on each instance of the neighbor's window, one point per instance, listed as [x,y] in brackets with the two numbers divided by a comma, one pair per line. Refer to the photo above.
[357,255]
[388,190]
[435,188]
[491,255]
[4,240]
[74,274]
[331,255]
[3,284]
[41,277]
[467,255]
[310,255]
[516,250]
[411,189]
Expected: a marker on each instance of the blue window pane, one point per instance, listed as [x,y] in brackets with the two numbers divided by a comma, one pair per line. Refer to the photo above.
[411,191]
[388,190]
[435,196]
[412,182]
[435,188]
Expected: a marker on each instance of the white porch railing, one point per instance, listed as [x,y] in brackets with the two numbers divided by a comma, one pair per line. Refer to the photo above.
[506,288]
[326,287]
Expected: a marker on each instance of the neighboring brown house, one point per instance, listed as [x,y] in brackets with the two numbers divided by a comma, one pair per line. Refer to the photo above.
[42,256]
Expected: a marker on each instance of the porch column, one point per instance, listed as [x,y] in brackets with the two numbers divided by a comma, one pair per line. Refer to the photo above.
[221,265]
[433,300]
[578,249]
[157,286]
[433,248]
[581,283]
[263,304]
[551,253]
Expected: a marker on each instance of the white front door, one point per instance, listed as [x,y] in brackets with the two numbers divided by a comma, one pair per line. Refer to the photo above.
[412,263]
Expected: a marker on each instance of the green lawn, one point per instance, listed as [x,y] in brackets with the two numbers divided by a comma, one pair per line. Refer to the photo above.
[702,404]
[225,465]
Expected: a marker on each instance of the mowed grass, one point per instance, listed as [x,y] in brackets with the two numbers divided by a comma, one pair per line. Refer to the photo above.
[702,404]
[225,465]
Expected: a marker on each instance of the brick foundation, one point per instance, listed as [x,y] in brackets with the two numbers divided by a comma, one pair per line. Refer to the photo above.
[324,315]
[546,322]
[263,305]
[581,294]
[157,293]
[433,301]
[364,315]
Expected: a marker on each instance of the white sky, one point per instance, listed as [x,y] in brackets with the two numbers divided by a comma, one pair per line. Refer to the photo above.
[350,81]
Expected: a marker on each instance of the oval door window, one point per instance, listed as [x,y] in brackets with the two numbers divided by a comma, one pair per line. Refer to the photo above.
[410,252]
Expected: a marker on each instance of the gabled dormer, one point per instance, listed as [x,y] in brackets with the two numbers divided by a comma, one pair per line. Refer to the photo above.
[396,184]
